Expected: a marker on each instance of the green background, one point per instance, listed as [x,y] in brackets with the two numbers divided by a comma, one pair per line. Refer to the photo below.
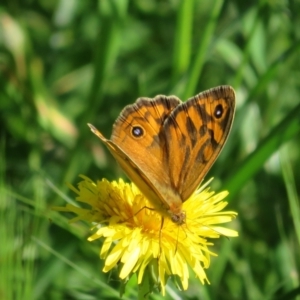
[69,62]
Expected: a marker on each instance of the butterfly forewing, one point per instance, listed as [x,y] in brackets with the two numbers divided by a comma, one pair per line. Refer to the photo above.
[195,134]
[137,134]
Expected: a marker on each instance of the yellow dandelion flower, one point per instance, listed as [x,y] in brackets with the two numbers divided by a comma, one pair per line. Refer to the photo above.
[138,239]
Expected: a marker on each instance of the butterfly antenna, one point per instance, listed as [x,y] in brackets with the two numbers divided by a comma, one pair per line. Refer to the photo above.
[160,232]
[177,238]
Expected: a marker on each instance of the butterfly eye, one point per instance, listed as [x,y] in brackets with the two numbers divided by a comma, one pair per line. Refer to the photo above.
[218,111]
[137,131]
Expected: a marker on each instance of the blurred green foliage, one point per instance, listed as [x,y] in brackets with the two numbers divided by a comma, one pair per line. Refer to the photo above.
[64,63]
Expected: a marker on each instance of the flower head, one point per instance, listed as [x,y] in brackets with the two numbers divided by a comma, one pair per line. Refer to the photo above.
[137,237]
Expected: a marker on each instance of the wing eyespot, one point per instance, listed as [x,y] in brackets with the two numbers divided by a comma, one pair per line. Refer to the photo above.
[218,113]
[137,131]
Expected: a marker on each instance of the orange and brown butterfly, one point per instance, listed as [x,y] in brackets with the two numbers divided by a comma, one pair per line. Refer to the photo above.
[166,146]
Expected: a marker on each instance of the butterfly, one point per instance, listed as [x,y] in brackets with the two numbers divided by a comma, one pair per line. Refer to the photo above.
[166,146]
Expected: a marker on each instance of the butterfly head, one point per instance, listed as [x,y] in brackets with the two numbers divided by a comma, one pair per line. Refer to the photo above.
[178,218]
